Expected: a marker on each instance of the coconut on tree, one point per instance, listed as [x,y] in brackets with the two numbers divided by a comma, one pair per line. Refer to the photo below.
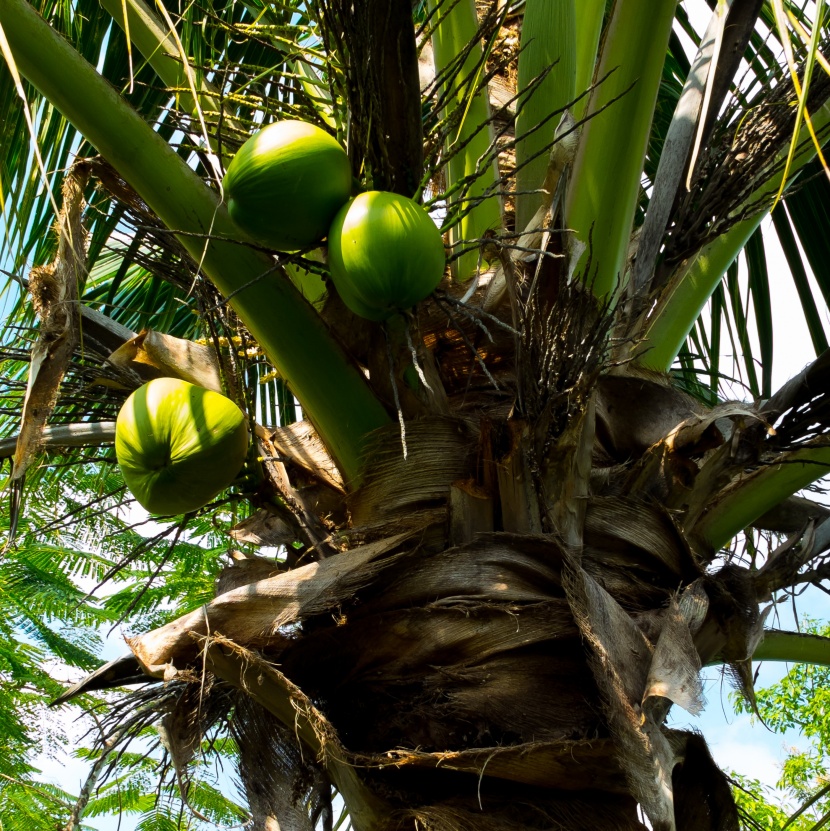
[510,509]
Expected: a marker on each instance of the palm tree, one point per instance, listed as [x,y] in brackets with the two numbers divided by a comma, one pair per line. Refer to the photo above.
[518,519]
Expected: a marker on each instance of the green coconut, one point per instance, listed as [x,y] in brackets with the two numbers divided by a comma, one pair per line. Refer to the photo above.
[385,254]
[179,445]
[358,307]
[286,183]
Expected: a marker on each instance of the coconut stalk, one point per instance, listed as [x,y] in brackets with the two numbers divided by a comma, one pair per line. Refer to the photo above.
[456,28]
[331,390]
[793,647]
[790,647]
[548,43]
[605,182]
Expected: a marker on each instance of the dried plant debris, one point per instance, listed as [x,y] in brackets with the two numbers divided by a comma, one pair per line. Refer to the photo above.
[563,350]
[735,163]
[476,640]
[54,289]
[300,444]
[574,766]
[495,810]
[619,657]
[800,411]
[255,616]
[280,781]
[157,355]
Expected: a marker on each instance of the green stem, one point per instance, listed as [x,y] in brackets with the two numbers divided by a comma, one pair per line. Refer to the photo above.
[588,26]
[795,647]
[332,391]
[457,28]
[681,303]
[605,183]
[751,496]
[548,40]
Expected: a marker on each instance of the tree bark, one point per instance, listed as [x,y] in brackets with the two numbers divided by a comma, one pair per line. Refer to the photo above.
[384,93]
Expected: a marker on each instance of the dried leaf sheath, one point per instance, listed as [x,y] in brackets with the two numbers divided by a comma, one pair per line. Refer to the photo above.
[55,289]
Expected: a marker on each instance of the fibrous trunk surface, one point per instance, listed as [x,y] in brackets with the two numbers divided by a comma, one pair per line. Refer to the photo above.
[480,642]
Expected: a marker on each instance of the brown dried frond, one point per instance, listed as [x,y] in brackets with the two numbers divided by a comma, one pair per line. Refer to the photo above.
[54,290]
[279,780]
[525,810]
[188,713]
[199,707]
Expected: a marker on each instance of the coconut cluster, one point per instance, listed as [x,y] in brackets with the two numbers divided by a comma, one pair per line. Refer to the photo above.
[290,185]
